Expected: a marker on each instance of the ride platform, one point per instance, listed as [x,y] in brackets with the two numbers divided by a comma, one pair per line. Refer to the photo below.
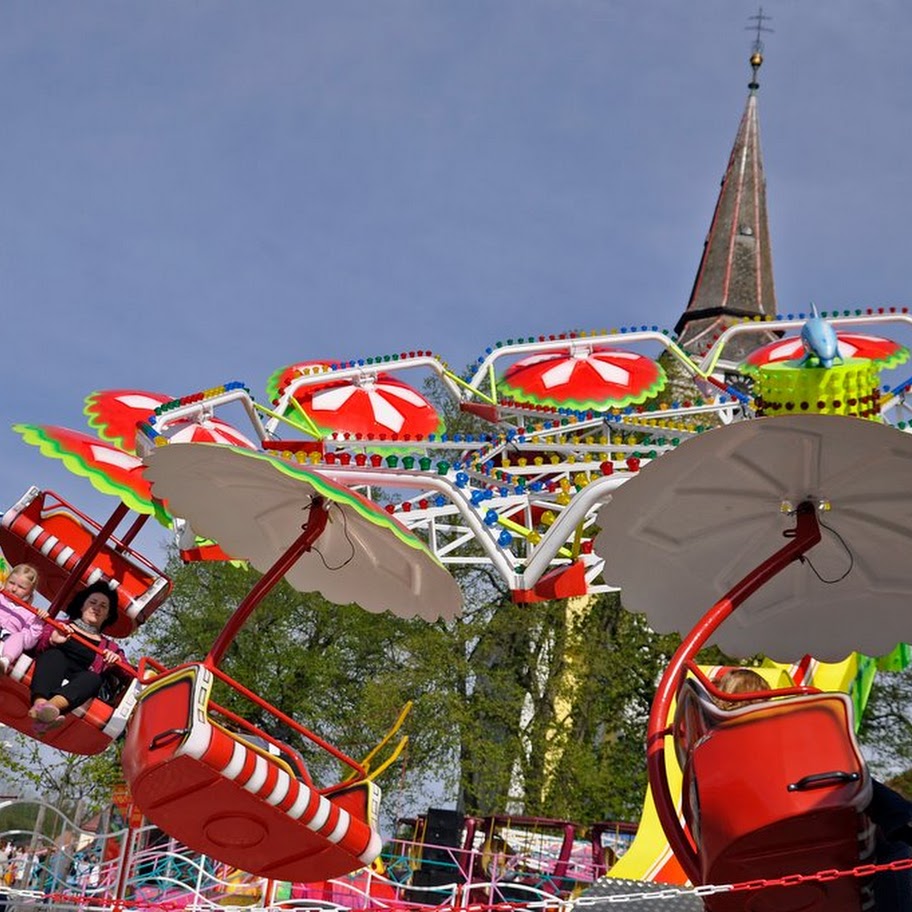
[609,887]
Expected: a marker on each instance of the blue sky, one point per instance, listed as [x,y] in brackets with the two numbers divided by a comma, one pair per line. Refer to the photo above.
[192,193]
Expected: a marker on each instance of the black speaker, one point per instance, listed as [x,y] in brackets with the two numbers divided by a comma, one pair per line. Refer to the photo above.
[441,855]
[443,827]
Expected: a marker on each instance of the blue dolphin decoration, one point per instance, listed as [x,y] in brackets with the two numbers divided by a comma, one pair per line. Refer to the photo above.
[819,340]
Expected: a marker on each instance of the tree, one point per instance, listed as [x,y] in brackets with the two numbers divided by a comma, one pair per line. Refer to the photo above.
[886,730]
[535,703]
[334,669]
[77,786]
[551,698]
[600,772]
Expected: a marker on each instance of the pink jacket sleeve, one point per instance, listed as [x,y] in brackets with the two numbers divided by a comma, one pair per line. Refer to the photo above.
[36,628]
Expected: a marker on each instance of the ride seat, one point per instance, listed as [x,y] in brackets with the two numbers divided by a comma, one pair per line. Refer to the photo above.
[773,788]
[43,530]
[224,796]
[87,729]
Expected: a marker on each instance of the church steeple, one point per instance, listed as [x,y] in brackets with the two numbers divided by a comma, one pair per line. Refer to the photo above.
[735,276]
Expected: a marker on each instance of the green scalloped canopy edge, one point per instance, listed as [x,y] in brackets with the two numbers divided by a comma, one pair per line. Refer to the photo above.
[35,436]
[588,405]
[272,384]
[274,391]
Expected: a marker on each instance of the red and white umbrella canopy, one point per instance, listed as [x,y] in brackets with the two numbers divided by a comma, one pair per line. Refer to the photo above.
[209,430]
[589,378]
[115,413]
[373,405]
[884,352]
[279,379]
[110,469]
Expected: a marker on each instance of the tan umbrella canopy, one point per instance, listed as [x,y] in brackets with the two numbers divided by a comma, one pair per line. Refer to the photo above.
[255,507]
[679,535]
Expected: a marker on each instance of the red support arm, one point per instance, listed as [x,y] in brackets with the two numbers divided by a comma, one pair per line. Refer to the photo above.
[805,535]
[98,542]
[316,523]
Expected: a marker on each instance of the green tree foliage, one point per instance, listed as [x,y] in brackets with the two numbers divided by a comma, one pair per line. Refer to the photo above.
[336,670]
[538,704]
[549,700]
[615,660]
[77,786]
[886,729]
[345,674]
[20,815]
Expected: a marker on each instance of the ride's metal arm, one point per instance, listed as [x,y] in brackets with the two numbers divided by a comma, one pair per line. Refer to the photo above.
[564,527]
[805,535]
[316,523]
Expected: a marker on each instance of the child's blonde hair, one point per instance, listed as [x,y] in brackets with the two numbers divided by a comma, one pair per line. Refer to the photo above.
[737,681]
[27,571]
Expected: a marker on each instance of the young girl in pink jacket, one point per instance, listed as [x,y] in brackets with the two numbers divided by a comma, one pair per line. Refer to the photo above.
[20,627]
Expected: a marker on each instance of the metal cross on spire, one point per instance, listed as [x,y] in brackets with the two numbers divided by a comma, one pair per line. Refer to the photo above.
[756,59]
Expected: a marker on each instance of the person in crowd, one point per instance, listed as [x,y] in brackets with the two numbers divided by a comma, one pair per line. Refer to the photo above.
[496,857]
[4,861]
[58,868]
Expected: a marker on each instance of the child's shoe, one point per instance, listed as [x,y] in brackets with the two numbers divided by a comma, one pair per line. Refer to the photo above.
[47,713]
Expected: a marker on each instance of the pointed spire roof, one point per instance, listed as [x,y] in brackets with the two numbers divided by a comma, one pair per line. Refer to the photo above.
[735,277]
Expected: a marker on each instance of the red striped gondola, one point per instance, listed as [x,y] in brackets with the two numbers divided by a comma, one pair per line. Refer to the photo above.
[44,530]
[225,794]
[68,549]
[207,776]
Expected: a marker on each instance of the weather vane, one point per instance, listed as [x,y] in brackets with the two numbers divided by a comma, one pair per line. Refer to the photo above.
[756,58]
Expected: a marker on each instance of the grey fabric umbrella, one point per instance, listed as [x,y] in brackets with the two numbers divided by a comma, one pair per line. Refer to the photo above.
[255,506]
[693,523]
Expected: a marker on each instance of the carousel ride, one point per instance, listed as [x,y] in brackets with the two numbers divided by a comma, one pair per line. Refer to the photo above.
[350,484]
